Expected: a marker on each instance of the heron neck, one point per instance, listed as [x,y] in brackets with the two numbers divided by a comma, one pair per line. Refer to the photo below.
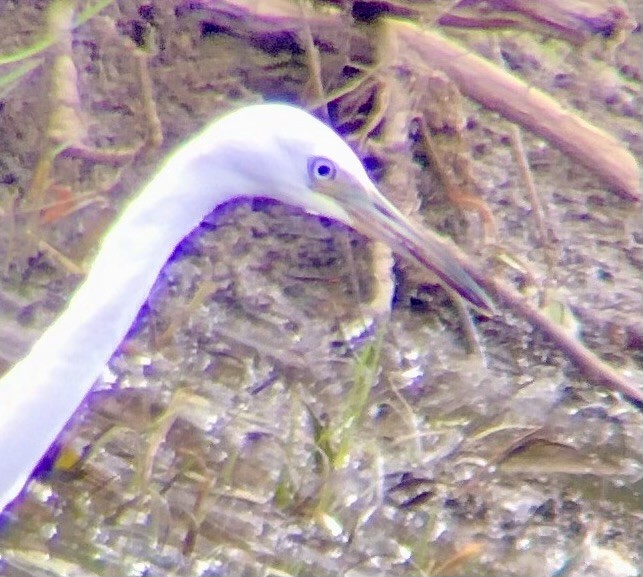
[41,392]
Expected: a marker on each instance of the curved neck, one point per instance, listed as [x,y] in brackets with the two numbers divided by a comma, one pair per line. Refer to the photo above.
[41,392]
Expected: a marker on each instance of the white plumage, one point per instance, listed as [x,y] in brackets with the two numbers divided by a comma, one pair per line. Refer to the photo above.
[270,150]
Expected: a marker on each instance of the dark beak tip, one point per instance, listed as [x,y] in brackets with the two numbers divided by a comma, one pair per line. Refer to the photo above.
[487,307]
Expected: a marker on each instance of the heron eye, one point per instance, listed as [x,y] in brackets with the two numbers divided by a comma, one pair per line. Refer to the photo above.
[321,168]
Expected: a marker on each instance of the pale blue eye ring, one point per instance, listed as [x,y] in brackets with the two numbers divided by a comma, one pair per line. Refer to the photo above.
[320,168]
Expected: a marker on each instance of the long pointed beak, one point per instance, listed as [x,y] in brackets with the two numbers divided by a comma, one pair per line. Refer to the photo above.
[376,217]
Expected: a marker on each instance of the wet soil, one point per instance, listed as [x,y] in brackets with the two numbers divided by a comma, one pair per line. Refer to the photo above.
[208,444]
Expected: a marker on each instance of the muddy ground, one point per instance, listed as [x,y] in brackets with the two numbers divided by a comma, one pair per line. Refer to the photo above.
[264,417]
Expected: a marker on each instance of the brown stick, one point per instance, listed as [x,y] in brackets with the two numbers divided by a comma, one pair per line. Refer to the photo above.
[476,77]
[575,21]
[593,368]
[514,99]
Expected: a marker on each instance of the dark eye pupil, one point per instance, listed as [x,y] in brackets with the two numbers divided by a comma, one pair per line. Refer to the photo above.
[323,170]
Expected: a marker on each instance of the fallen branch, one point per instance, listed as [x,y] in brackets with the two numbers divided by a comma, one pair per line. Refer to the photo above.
[476,77]
[591,366]
[513,98]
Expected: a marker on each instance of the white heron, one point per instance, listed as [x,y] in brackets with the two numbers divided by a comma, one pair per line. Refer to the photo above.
[266,150]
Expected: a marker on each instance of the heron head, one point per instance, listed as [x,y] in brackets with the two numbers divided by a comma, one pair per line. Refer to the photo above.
[282,152]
